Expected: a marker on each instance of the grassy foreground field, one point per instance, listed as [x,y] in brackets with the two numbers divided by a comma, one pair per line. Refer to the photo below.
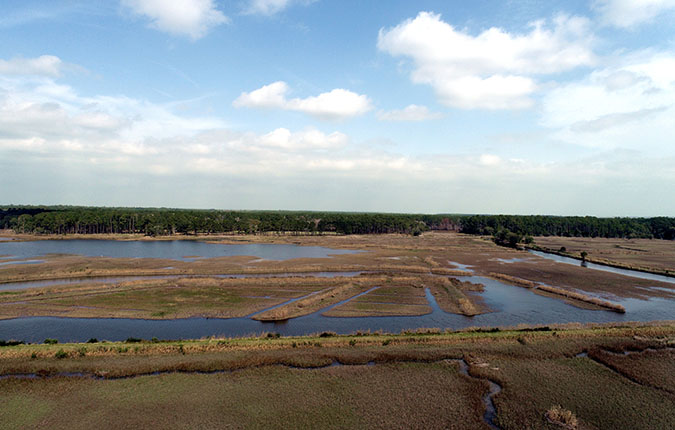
[412,380]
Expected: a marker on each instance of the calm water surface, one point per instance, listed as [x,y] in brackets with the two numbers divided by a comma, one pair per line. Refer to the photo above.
[184,250]
[626,272]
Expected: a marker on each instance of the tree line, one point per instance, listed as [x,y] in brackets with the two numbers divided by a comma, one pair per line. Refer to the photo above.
[163,221]
[570,226]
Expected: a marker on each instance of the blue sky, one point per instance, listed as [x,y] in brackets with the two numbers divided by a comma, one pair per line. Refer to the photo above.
[546,107]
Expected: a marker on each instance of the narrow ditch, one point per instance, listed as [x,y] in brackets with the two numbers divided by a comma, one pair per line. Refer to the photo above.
[490,415]
[618,371]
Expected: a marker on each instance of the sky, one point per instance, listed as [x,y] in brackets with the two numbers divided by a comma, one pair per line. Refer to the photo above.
[485,106]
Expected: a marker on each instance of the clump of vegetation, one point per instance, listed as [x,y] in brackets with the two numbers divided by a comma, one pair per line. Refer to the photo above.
[92,340]
[50,341]
[11,342]
[505,237]
[133,340]
[562,417]
[61,354]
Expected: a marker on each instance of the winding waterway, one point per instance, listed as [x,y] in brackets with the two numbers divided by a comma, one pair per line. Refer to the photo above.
[512,306]
[626,272]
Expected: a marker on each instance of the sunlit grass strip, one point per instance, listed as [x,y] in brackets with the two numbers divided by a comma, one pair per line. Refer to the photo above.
[583,298]
[513,280]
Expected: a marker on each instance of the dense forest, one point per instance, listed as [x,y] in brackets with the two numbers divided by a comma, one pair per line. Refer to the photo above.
[587,226]
[161,221]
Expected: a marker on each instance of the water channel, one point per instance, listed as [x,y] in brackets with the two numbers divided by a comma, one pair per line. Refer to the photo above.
[626,272]
[511,305]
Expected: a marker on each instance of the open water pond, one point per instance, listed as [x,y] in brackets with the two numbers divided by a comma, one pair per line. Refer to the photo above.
[511,305]
[588,265]
[184,250]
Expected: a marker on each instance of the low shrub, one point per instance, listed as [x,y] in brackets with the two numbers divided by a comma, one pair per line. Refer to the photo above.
[61,354]
[11,342]
[50,341]
[562,418]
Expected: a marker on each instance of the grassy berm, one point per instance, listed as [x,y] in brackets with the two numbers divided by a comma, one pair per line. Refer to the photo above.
[404,381]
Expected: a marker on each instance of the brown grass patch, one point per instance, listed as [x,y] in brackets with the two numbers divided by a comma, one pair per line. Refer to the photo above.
[311,304]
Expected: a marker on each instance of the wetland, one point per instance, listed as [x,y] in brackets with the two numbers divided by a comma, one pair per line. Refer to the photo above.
[451,330]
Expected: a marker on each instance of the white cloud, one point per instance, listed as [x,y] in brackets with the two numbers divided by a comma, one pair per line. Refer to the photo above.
[493,70]
[193,18]
[631,13]
[333,105]
[630,105]
[267,96]
[283,138]
[271,7]
[409,113]
[44,65]
[489,160]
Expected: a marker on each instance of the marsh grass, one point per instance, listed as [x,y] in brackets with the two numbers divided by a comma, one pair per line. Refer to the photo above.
[583,298]
[562,418]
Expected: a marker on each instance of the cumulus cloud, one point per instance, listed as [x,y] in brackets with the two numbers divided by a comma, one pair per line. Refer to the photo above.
[629,105]
[333,105]
[193,18]
[493,70]
[631,13]
[44,65]
[409,113]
